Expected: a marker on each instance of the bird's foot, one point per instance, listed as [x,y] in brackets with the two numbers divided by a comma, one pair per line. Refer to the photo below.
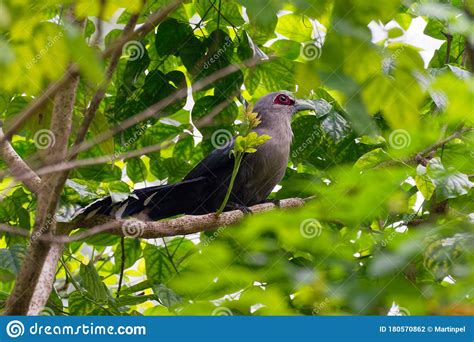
[238,206]
[276,202]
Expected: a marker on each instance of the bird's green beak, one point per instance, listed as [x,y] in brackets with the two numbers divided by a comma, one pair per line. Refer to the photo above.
[301,105]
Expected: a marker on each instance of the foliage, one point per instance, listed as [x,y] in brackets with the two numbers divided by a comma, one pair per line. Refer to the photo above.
[387,224]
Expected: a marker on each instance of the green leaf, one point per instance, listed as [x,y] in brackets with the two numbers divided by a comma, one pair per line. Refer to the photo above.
[133,300]
[136,170]
[172,36]
[11,258]
[335,126]
[158,266]
[449,183]
[371,159]
[287,48]
[78,305]
[166,296]
[133,251]
[92,282]
[295,27]
[395,32]
[424,183]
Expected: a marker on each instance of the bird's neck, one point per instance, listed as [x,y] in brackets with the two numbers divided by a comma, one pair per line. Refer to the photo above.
[277,130]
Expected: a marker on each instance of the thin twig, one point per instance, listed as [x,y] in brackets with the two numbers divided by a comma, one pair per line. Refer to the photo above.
[122,265]
[135,153]
[148,26]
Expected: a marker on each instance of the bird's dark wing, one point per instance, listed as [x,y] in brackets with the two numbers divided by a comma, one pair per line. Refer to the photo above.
[155,201]
[211,166]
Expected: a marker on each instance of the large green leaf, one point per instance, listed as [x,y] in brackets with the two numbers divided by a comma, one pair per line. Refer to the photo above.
[12,258]
[449,183]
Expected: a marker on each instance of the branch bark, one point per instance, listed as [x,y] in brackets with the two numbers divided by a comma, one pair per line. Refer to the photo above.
[184,225]
[18,167]
[37,259]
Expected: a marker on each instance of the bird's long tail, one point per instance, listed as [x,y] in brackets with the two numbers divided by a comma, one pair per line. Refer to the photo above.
[155,202]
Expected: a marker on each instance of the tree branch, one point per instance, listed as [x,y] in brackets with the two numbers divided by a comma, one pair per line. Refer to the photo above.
[419,158]
[184,225]
[38,258]
[40,101]
[135,153]
[182,93]
[18,168]
[100,93]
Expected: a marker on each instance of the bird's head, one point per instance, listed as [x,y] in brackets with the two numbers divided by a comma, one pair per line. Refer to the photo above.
[280,105]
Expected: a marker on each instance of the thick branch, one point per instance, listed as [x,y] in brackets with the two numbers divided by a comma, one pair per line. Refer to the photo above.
[18,168]
[184,225]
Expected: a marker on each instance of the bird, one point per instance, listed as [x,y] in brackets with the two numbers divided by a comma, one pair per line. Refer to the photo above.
[203,189]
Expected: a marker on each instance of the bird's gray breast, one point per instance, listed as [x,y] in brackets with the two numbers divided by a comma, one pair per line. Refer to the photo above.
[261,171]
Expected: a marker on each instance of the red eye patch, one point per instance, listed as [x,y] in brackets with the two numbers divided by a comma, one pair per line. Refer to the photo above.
[283,99]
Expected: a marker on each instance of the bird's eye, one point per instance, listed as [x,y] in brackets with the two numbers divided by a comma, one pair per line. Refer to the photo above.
[284,100]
